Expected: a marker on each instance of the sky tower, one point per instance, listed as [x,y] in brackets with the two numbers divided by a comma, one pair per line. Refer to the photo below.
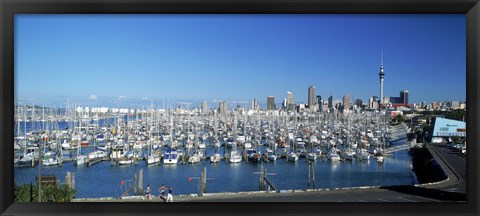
[381,75]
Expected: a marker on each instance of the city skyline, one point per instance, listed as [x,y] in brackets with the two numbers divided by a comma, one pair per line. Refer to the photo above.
[100,58]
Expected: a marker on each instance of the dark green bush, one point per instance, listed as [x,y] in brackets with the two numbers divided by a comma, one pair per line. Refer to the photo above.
[50,193]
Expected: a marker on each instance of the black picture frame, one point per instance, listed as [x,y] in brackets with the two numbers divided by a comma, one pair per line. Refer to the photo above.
[11,7]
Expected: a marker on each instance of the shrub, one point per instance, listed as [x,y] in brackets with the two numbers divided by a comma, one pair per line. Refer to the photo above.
[50,193]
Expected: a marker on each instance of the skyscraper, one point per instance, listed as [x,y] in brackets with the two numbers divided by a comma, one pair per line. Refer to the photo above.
[359,102]
[404,96]
[270,103]
[320,103]
[222,107]
[311,98]
[330,102]
[381,75]
[255,105]
[290,101]
[346,102]
[204,107]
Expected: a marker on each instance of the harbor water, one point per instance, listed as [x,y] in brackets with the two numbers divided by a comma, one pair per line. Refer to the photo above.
[106,180]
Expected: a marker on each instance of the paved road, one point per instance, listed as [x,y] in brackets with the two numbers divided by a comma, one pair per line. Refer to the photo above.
[453,163]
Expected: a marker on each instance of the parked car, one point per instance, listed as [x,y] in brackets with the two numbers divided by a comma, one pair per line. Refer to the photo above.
[458,147]
[464,150]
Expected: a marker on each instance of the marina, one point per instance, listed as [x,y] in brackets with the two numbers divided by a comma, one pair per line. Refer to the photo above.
[172,148]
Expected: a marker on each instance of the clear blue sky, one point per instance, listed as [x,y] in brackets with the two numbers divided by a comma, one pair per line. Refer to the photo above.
[101,59]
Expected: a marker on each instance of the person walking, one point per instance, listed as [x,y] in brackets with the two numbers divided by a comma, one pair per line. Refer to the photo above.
[170,194]
[148,192]
[162,193]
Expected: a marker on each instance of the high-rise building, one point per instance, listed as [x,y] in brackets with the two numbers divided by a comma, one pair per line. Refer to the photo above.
[404,96]
[330,102]
[311,98]
[381,74]
[204,107]
[346,102]
[270,103]
[290,101]
[403,99]
[373,102]
[319,103]
[222,109]
[284,104]
[255,105]
[359,102]
[454,104]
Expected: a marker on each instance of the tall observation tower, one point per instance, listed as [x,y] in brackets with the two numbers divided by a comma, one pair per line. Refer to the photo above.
[381,75]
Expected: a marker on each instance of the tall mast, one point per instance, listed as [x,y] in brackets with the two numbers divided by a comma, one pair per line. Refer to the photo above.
[381,75]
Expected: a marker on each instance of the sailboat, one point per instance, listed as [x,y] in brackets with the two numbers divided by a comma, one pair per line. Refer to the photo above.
[153,155]
[235,156]
[216,157]
[312,156]
[98,153]
[348,153]
[253,155]
[80,158]
[333,155]
[271,154]
[196,157]
[379,154]
[292,156]
[362,154]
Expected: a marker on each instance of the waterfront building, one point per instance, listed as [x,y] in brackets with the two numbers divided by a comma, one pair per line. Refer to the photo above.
[346,102]
[381,75]
[290,101]
[311,98]
[270,103]
[443,128]
[222,109]
[319,103]
[204,107]
[330,102]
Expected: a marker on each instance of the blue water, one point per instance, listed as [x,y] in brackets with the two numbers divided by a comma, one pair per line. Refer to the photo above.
[104,180]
